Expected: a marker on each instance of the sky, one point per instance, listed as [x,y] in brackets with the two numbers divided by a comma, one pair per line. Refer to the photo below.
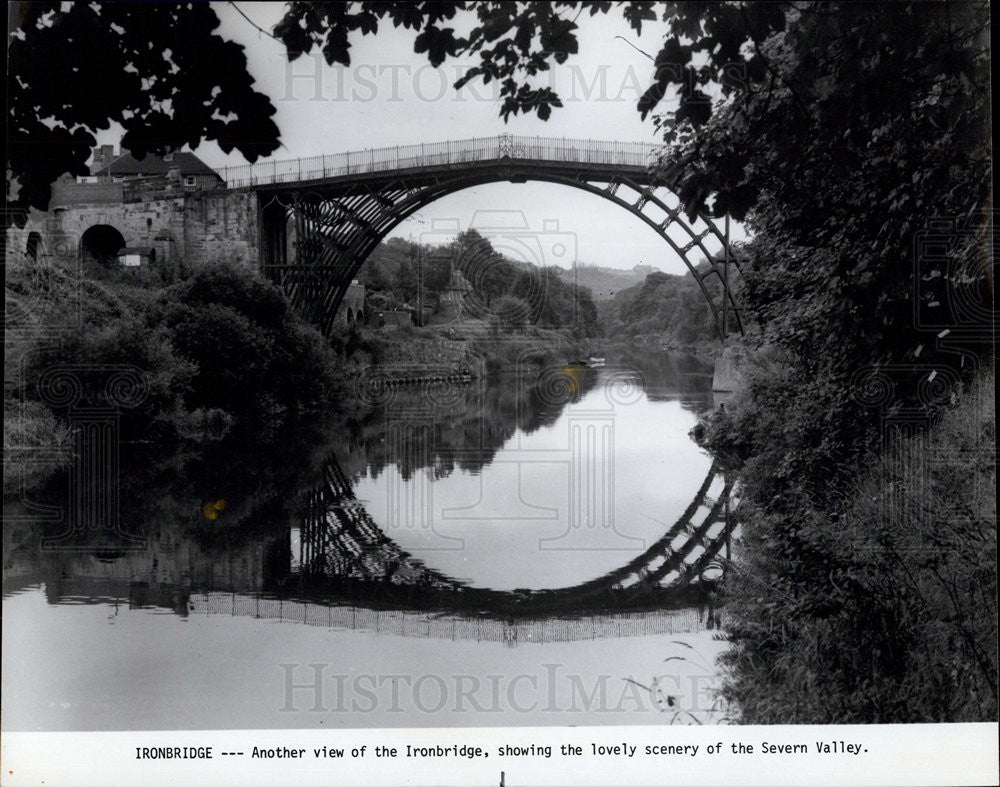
[391,96]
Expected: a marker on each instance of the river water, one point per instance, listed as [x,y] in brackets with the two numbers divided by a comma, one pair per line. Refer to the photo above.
[539,549]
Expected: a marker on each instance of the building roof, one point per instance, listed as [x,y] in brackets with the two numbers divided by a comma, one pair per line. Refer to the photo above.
[126,164]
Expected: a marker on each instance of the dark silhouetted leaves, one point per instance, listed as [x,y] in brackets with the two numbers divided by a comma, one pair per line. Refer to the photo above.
[158,69]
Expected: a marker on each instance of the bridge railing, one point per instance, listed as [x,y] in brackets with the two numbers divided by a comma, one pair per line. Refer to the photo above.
[415,623]
[452,152]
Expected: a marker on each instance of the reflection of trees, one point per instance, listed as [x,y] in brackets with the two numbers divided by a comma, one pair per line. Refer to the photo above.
[671,376]
[262,475]
[665,373]
[454,426]
[163,492]
[266,480]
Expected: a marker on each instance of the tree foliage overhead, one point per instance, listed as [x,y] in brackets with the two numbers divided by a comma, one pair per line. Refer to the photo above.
[796,85]
[793,81]
[517,41]
[157,69]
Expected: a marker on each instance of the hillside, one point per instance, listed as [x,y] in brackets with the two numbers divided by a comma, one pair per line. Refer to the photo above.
[663,310]
[604,283]
[401,274]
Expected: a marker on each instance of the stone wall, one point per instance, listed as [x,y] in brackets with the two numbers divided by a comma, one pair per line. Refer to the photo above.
[222,226]
[70,193]
[197,228]
[726,377]
[352,307]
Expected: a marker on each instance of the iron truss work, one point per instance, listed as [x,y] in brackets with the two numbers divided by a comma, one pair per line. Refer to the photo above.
[320,218]
[344,553]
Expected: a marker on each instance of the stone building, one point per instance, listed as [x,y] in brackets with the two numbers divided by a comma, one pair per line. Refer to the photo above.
[352,308]
[162,208]
[184,171]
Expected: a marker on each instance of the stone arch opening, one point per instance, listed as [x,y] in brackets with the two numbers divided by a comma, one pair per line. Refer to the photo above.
[33,246]
[101,243]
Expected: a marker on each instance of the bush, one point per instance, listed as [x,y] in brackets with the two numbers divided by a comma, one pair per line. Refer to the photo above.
[219,347]
[880,609]
[512,313]
[27,427]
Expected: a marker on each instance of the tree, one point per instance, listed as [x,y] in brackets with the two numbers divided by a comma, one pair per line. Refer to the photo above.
[157,69]
[169,81]
[512,313]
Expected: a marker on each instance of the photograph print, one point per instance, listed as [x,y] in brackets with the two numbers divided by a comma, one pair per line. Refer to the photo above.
[498,364]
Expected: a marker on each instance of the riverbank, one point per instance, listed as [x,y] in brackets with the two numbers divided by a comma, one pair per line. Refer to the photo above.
[880,605]
[450,352]
[182,357]
[707,351]
[201,353]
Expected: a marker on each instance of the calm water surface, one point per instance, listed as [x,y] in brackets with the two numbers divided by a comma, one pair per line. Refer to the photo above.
[521,552]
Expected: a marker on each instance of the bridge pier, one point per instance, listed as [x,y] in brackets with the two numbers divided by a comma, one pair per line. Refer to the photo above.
[725,378]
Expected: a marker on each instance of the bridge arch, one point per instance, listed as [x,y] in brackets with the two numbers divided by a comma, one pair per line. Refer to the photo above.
[340,219]
[101,243]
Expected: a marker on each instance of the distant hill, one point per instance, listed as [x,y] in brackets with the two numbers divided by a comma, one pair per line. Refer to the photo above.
[662,309]
[604,283]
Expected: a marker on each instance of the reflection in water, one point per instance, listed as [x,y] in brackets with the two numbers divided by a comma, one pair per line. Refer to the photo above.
[578,474]
[611,524]
[342,549]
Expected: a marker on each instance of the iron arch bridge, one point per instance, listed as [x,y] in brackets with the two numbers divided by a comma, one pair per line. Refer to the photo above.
[344,554]
[321,217]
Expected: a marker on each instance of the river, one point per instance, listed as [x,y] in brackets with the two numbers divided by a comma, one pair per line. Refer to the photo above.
[534,550]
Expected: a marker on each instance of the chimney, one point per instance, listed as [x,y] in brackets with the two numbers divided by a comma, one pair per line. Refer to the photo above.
[102,157]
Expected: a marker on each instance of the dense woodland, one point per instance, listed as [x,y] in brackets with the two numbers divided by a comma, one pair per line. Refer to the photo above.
[641,306]
[501,291]
[664,310]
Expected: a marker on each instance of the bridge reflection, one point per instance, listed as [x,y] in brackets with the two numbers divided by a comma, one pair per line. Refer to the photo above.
[317,556]
[344,554]
[349,574]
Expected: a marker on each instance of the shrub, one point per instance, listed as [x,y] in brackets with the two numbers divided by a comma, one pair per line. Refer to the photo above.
[218,347]
[881,608]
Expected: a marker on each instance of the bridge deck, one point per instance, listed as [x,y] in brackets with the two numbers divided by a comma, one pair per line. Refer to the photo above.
[588,155]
